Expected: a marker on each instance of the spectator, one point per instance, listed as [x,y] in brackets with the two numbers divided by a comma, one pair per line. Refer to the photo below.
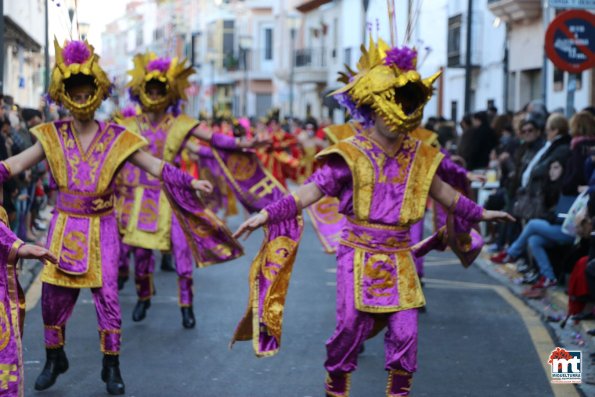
[481,141]
[557,147]
[582,130]
[464,144]
[540,234]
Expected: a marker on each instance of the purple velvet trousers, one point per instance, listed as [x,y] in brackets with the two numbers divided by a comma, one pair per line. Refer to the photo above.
[354,326]
[145,267]
[58,302]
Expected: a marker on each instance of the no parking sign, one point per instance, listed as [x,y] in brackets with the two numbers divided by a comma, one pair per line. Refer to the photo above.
[570,41]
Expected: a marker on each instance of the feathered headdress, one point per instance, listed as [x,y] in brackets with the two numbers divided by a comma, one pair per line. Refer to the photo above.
[74,59]
[172,73]
[386,84]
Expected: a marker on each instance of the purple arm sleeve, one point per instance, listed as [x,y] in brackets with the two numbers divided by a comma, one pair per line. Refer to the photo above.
[176,177]
[332,177]
[4,172]
[282,210]
[224,142]
[467,209]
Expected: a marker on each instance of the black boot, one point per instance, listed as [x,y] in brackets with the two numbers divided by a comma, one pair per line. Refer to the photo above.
[166,263]
[140,310]
[56,363]
[110,374]
[121,281]
[188,320]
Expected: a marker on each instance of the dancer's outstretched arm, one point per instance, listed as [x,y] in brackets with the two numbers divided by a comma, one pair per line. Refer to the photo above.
[447,196]
[153,166]
[25,160]
[222,141]
[305,196]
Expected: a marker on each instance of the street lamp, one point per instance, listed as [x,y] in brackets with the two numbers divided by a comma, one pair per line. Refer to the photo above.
[84,30]
[245,45]
[71,6]
[293,25]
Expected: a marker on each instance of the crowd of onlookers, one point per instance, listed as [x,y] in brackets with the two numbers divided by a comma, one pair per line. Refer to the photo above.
[543,164]
[25,195]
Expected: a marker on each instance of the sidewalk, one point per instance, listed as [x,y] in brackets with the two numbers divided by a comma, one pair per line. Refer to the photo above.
[552,309]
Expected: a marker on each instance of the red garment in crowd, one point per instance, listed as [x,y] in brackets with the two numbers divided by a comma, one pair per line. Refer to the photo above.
[282,157]
[578,288]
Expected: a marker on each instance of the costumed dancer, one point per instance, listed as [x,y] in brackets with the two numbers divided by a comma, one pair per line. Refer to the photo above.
[382,177]
[126,180]
[158,85]
[281,158]
[12,306]
[84,156]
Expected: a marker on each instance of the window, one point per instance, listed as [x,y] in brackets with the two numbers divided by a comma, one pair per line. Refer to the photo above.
[454,41]
[347,56]
[454,111]
[228,37]
[335,37]
[139,35]
[195,52]
[268,44]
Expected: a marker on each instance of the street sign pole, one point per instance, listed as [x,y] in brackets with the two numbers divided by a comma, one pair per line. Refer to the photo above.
[570,45]
[573,4]
[570,94]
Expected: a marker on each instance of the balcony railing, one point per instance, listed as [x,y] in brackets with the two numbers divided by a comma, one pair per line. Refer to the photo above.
[310,58]
[515,10]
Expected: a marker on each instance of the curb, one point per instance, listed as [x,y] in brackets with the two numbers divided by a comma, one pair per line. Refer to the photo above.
[550,308]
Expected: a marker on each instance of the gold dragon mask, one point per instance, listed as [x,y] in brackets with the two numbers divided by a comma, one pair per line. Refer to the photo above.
[386,84]
[171,75]
[77,64]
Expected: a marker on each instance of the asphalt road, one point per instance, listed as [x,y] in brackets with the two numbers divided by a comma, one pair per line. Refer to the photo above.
[472,341]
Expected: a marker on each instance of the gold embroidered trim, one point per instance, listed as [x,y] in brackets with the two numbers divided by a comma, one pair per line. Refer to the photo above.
[179,130]
[102,334]
[408,285]
[362,171]
[377,225]
[327,384]
[425,163]
[60,336]
[7,167]
[47,135]
[125,145]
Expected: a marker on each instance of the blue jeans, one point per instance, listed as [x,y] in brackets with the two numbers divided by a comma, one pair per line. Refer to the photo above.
[538,235]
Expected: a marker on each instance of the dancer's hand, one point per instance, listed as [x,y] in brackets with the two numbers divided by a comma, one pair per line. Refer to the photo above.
[255,143]
[251,224]
[30,251]
[472,177]
[202,186]
[497,216]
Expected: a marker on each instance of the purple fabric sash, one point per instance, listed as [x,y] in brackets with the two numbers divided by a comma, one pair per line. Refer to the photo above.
[458,233]
[327,222]
[85,204]
[74,257]
[384,273]
[269,280]
[209,239]
[209,170]
[252,184]
[12,316]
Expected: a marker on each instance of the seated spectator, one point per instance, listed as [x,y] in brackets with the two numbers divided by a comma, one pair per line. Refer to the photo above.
[582,130]
[540,234]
